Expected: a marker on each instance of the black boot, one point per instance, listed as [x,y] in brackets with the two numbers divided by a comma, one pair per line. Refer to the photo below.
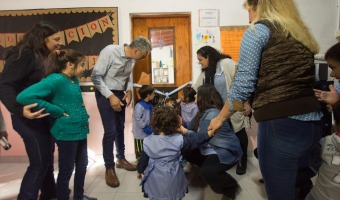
[241,167]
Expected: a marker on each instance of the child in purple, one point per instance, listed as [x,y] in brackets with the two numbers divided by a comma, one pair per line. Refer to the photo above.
[188,106]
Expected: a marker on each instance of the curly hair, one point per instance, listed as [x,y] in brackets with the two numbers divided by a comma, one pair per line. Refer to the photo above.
[165,120]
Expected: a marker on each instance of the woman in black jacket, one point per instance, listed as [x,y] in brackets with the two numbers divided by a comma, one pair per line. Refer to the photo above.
[25,66]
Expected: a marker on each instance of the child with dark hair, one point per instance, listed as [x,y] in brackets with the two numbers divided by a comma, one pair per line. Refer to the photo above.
[141,117]
[60,95]
[170,101]
[327,184]
[164,176]
[188,106]
[222,152]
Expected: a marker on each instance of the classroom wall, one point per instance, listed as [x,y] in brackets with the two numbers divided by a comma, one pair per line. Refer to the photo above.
[321,16]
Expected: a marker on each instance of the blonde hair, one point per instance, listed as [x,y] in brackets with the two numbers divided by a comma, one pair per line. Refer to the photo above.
[284,15]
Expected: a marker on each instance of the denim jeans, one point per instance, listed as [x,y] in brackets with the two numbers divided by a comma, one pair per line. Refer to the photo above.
[113,123]
[71,153]
[39,148]
[282,143]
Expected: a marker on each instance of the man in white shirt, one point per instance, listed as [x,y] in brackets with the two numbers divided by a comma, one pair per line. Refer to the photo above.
[111,77]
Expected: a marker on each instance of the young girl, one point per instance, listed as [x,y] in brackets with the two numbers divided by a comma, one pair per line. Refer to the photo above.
[141,117]
[164,176]
[60,95]
[219,70]
[222,152]
[188,106]
[327,184]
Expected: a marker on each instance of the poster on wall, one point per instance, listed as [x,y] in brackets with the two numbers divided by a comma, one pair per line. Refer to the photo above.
[209,18]
[87,30]
[207,36]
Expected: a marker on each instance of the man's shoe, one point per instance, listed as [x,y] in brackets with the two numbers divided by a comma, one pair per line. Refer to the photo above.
[123,163]
[88,198]
[51,197]
[111,177]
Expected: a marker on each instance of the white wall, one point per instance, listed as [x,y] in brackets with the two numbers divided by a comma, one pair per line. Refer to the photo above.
[321,16]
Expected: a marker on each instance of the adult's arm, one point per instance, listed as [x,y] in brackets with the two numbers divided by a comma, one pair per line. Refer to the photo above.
[253,41]
[13,79]
[40,93]
[100,70]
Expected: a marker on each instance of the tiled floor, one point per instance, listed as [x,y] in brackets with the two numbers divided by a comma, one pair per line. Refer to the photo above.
[251,189]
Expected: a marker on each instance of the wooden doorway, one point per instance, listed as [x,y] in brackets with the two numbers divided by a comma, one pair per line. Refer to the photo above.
[141,25]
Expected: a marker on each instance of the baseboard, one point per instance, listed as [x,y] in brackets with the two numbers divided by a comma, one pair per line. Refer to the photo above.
[24,159]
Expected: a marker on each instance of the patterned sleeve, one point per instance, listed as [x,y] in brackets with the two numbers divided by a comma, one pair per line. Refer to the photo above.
[253,42]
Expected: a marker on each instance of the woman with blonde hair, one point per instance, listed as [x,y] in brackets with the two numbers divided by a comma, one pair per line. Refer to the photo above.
[276,73]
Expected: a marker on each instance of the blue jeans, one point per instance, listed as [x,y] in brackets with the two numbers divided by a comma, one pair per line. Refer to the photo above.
[282,143]
[39,148]
[71,153]
[113,123]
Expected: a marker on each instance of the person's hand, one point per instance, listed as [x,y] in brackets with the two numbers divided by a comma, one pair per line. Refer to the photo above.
[182,129]
[127,97]
[115,103]
[330,97]
[247,112]
[215,124]
[4,134]
[139,176]
[33,115]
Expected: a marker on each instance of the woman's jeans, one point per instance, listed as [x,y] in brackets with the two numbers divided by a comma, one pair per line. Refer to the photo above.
[71,153]
[282,143]
[39,148]
[113,123]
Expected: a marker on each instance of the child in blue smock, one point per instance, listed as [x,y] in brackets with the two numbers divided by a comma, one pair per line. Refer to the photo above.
[164,177]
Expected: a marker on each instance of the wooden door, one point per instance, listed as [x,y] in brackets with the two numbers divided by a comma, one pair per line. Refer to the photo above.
[182,47]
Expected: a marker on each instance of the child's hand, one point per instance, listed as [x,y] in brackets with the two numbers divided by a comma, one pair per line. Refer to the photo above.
[182,130]
[139,176]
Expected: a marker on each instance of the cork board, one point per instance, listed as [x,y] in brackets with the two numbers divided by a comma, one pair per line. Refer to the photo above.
[231,37]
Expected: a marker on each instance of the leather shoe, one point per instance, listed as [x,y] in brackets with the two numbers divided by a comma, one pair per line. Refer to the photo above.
[88,198]
[111,177]
[123,163]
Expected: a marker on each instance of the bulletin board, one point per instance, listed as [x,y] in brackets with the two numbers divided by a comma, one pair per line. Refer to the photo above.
[231,37]
[87,30]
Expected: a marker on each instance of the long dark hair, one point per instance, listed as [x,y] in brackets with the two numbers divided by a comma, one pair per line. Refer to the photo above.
[34,40]
[214,57]
[57,59]
[207,97]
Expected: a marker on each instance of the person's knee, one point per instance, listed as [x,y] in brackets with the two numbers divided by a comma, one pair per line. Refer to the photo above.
[208,175]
